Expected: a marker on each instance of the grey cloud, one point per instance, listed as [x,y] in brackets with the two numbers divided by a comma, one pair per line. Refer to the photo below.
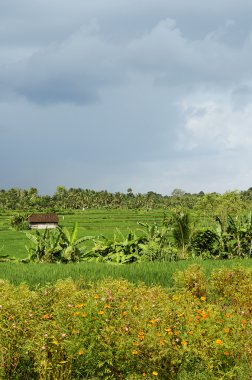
[92,94]
[241,96]
[86,48]
[175,60]
[76,69]
[72,71]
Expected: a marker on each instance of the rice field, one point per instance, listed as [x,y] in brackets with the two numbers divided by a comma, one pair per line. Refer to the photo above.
[149,273]
[90,223]
[94,223]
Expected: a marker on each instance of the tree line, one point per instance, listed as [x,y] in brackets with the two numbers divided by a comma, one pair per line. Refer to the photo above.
[79,199]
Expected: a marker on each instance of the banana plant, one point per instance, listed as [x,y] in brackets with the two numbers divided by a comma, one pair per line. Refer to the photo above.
[236,237]
[120,249]
[57,245]
[46,247]
[157,234]
[71,245]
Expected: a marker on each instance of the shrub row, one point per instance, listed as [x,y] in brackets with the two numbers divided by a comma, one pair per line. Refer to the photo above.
[116,330]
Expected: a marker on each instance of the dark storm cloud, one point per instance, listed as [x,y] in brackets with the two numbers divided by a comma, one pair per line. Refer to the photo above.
[83,55]
[122,93]
[72,71]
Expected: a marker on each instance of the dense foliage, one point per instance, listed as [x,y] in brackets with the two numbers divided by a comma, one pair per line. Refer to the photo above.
[79,199]
[56,246]
[115,330]
[175,239]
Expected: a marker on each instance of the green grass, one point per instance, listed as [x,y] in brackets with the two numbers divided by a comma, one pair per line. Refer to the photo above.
[149,273]
[94,222]
[90,223]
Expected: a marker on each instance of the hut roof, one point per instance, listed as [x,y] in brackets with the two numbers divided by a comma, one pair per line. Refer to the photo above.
[43,218]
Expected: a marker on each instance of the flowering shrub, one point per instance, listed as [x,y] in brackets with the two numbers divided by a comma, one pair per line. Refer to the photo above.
[116,330]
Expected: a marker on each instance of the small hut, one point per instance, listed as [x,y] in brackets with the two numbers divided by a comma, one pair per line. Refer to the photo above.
[42,221]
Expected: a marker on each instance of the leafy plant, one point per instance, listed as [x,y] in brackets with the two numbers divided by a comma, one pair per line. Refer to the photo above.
[205,242]
[152,251]
[56,245]
[181,230]
[71,245]
[123,250]
[46,247]
[19,222]
[235,236]
[156,233]
[159,246]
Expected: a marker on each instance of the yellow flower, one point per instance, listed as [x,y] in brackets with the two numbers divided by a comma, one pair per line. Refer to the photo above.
[218,341]
[79,305]
[46,316]
[96,297]
[155,373]
[84,315]
[190,332]
[107,306]
[175,298]
[76,313]
[81,351]
[203,298]
[184,342]
[135,352]
[226,330]
[100,312]
[124,313]
[141,335]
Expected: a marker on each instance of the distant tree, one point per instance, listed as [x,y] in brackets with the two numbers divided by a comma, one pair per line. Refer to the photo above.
[177,193]
[130,192]
[60,196]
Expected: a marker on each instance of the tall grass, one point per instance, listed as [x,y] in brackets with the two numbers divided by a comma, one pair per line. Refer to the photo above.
[150,273]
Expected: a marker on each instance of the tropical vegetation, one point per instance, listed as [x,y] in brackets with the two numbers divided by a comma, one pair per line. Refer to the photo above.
[112,329]
[155,287]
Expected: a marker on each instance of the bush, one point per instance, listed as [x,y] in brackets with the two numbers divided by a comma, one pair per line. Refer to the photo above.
[19,222]
[115,330]
[205,243]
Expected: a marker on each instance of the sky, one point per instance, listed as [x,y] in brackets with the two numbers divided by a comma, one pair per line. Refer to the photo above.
[151,95]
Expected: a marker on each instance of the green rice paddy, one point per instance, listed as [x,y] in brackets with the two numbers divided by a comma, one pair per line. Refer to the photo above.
[90,223]
[94,223]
